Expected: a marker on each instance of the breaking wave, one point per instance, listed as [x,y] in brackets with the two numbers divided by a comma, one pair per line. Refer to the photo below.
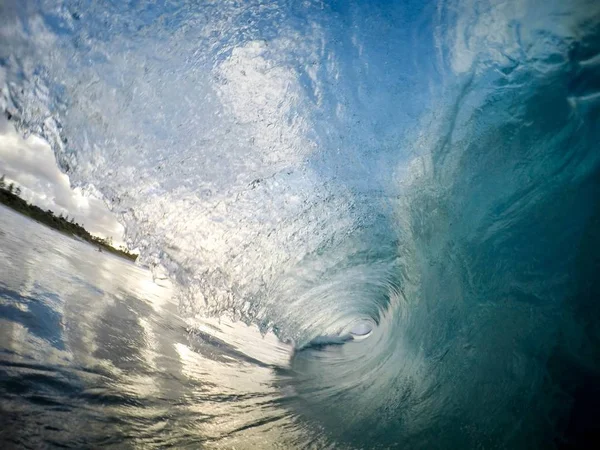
[430,172]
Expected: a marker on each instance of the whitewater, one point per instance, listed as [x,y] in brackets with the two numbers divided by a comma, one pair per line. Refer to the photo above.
[403,198]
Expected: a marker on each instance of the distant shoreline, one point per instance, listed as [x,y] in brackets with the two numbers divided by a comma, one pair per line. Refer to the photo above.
[11,200]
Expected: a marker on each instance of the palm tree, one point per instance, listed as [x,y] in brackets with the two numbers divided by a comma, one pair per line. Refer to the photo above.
[2,182]
[18,191]
[11,187]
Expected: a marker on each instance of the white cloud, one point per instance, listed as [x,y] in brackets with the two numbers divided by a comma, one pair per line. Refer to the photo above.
[30,164]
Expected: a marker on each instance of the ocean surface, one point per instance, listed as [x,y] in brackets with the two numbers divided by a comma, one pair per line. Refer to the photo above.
[93,354]
[378,221]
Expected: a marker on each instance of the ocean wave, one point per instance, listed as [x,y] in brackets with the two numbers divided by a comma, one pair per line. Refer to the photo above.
[430,170]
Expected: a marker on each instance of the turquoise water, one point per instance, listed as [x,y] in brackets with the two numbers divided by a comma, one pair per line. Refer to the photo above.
[295,169]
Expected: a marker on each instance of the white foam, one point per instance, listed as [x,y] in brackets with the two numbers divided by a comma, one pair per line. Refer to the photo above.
[362,328]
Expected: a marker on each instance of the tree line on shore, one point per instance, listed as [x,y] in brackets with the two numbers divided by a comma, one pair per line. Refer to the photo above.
[10,195]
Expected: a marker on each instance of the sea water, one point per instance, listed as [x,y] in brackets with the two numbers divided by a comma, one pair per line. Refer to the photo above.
[430,169]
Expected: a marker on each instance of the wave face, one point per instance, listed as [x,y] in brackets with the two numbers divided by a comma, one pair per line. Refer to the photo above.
[432,170]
